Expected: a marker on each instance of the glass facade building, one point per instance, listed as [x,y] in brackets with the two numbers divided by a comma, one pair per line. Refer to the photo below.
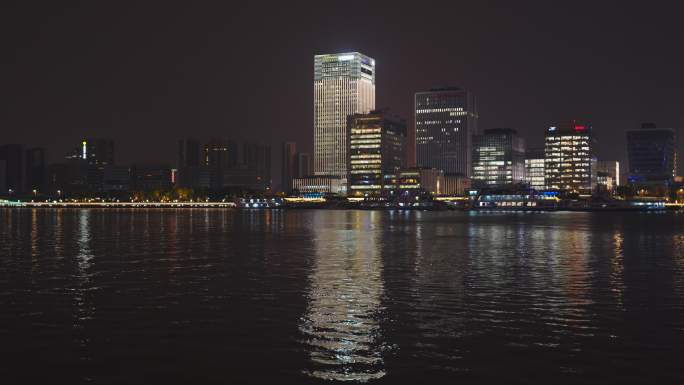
[344,84]
[445,121]
[498,158]
[376,147]
[534,169]
[652,158]
[568,158]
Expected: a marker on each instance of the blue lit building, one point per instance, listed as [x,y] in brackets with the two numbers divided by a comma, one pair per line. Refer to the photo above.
[652,159]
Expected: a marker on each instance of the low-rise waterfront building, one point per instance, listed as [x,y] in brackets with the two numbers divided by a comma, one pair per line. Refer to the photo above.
[324,184]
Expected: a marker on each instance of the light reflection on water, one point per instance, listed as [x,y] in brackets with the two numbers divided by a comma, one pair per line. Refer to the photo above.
[341,323]
[370,296]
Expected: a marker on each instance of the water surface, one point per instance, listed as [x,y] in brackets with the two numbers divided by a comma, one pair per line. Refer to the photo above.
[179,296]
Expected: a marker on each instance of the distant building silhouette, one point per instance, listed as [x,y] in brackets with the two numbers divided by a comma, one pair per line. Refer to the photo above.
[14,158]
[289,164]
[652,156]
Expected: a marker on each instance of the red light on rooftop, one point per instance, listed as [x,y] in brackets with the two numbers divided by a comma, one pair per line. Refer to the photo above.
[580,128]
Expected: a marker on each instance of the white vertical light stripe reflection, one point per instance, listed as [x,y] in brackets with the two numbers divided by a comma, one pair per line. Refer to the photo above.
[341,325]
[83,309]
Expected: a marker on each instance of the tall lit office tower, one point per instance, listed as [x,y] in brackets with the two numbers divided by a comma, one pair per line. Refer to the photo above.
[344,84]
[446,120]
[498,158]
[568,158]
[534,168]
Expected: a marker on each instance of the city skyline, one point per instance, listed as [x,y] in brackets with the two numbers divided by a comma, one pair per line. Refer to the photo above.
[195,86]
[342,192]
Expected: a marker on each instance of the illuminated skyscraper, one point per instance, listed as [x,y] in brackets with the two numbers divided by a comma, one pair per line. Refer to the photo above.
[344,84]
[569,164]
[446,120]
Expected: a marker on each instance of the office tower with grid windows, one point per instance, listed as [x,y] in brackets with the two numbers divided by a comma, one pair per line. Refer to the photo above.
[534,168]
[445,122]
[569,164]
[498,158]
[344,84]
[376,148]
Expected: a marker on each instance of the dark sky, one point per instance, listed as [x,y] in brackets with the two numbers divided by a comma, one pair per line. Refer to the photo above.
[147,74]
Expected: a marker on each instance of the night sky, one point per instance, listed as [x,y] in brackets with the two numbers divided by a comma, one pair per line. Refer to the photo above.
[148,74]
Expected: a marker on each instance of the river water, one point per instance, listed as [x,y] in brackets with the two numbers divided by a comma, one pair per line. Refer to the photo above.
[224,296]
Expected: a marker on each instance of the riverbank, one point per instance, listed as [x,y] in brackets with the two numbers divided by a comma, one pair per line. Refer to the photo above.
[432,206]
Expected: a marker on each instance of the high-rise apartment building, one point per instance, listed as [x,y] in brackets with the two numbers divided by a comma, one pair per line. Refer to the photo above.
[36,170]
[498,158]
[289,165]
[3,177]
[192,170]
[534,168]
[303,165]
[569,158]
[150,177]
[376,147]
[13,156]
[344,84]
[257,159]
[220,153]
[445,121]
[188,153]
[652,156]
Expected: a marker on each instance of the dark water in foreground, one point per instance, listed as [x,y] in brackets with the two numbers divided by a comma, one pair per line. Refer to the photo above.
[196,296]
